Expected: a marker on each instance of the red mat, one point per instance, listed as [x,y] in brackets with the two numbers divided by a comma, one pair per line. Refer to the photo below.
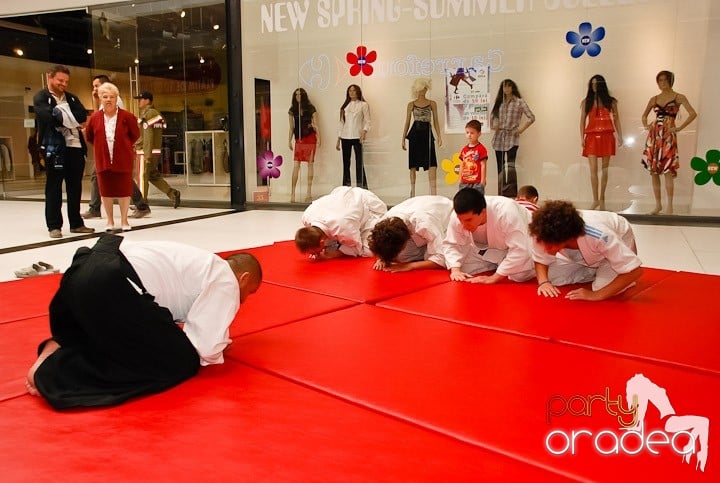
[271,306]
[274,305]
[659,319]
[484,387]
[233,423]
[18,350]
[348,278]
[30,297]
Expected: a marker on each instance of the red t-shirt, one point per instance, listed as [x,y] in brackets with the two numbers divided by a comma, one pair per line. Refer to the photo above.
[471,158]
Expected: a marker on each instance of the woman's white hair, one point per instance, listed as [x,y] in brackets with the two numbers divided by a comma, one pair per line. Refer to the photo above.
[108,87]
[419,84]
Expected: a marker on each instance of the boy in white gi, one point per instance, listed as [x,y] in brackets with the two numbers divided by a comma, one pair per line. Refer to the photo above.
[488,234]
[410,235]
[339,224]
[577,246]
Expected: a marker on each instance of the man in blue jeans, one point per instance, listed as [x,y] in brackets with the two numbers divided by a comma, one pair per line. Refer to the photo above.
[60,116]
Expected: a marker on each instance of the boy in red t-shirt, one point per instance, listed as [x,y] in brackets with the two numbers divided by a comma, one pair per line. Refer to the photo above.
[473,170]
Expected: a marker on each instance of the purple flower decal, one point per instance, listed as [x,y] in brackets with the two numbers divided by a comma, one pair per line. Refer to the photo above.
[585,40]
[268,165]
[361,61]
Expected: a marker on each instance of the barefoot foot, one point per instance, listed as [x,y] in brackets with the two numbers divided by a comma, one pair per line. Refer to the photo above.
[50,347]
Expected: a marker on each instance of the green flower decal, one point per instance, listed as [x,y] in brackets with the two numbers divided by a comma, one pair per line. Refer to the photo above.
[709,169]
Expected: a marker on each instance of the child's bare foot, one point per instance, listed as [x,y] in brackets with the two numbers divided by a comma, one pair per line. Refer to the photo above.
[50,347]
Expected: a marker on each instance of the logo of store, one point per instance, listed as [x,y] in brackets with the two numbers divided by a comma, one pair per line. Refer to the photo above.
[685,435]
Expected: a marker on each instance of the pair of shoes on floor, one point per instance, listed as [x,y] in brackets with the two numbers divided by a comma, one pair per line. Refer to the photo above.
[90,214]
[56,233]
[82,229]
[174,195]
[39,268]
[139,213]
[113,229]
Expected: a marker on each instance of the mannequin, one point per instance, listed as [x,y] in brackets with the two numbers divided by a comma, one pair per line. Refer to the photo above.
[304,130]
[660,155]
[505,119]
[422,147]
[354,125]
[599,132]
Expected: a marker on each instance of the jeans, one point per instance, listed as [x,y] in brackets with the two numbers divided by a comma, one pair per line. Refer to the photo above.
[507,176]
[360,177]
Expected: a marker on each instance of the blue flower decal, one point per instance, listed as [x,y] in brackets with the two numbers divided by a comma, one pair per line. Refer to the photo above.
[585,39]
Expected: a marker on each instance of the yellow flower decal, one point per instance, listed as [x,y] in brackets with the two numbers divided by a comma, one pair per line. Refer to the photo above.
[452,168]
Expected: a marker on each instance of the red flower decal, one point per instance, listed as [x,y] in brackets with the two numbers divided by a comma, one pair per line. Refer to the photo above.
[361,61]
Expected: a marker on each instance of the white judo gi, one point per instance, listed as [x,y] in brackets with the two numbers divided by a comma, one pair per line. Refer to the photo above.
[503,244]
[198,287]
[605,250]
[347,215]
[427,218]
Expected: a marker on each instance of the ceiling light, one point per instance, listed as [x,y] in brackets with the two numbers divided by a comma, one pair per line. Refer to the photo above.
[170,67]
[216,27]
[202,59]
[19,52]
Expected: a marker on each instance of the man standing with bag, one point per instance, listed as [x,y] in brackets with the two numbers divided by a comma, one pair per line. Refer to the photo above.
[149,146]
[59,118]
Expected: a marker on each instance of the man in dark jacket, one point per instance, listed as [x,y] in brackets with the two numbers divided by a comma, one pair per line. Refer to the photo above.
[60,116]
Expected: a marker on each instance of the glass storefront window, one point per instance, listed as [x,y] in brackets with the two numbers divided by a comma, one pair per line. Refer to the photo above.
[174,50]
[550,49]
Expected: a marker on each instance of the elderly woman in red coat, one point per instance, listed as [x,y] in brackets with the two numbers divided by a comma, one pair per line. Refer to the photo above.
[113,132]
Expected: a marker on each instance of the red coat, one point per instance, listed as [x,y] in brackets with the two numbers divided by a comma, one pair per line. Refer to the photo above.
[126,133]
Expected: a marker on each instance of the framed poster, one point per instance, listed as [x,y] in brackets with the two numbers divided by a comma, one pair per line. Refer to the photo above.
[466,98]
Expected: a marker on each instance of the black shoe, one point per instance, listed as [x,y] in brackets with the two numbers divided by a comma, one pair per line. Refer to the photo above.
[175,197]
[90,214]
[139,213]
[82,229]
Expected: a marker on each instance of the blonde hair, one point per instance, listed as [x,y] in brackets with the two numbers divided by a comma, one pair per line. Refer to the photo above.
[419,84]
[108,87]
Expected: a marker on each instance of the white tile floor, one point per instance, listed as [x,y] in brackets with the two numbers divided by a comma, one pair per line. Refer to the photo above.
[688,248]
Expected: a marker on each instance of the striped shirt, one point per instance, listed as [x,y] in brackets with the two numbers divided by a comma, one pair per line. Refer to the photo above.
[507,123]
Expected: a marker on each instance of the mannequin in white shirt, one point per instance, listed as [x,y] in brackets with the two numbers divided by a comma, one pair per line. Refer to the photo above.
[354,125]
